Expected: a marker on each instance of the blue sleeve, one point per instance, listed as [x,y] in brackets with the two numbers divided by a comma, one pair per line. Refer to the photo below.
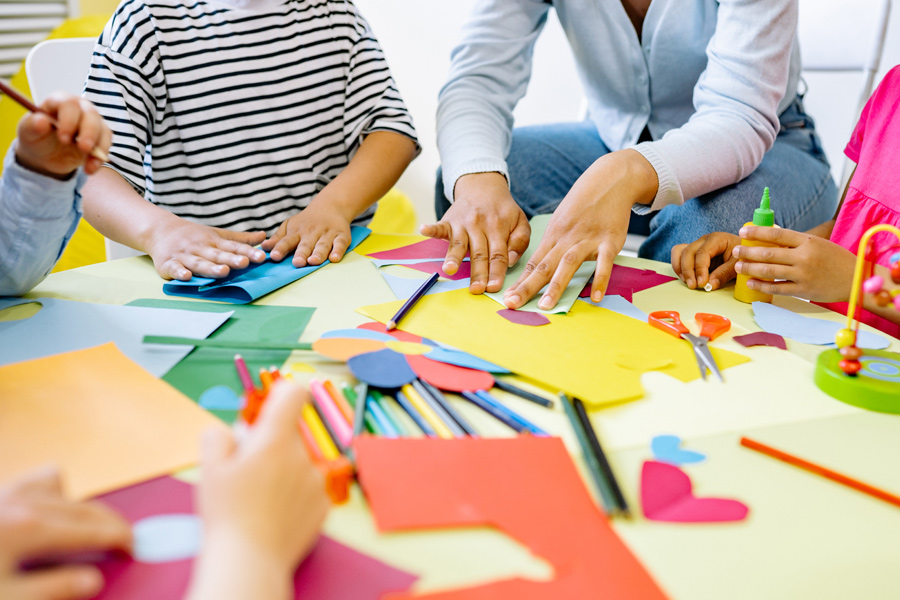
[38,216]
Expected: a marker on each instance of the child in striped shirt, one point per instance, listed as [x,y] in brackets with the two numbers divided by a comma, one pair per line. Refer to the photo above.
[242,122]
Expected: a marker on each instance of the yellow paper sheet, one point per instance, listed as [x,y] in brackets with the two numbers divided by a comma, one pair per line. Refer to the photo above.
[380,242]
[102,419]
[576,353]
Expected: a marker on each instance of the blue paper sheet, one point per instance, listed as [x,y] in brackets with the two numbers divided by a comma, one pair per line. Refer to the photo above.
[246,285]
[619,305]
[807,330]
[404,287]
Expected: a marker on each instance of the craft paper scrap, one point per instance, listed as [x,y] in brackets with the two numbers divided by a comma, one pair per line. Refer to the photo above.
[242,286]
[525,486]
[104,420]
[761,338]
[808,330]
[626,281]
[220,397]
[668,449]
[428,248]
[667,495]
[522,317]
[404,287]
[435,266]
[620,305]
[208,367]
[332,571]
[65,325]
[568,298]
[381,242]
[585,344]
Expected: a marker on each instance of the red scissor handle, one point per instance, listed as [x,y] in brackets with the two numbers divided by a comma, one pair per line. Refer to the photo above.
[668,321]
[712,326]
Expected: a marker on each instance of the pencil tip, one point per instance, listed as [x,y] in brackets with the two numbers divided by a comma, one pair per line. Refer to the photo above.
[391,325]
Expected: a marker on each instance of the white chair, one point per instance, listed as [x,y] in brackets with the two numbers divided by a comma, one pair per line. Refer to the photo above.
[63,65]
[841,43]
[23,24]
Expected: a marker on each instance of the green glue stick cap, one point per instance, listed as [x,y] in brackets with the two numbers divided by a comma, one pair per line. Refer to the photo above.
[764,216]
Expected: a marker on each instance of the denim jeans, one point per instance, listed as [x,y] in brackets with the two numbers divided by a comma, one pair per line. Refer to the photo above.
[545,160]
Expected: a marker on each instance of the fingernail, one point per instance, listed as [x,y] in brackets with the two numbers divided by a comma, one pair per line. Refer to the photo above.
[512,299]
[87,582]
[513,257]
[450,268]
[545,303]
[495,282]
[743,231]
[597,296]
[738,266]
[690,283]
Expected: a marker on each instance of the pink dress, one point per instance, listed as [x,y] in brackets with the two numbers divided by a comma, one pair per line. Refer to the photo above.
[873,197]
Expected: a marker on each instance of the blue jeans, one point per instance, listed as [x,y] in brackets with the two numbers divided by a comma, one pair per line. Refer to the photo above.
[545,160]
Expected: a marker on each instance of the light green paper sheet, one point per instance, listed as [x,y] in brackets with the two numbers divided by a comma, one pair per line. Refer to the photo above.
[584,272]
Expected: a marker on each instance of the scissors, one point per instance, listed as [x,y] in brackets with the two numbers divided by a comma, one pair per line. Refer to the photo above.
[711,327]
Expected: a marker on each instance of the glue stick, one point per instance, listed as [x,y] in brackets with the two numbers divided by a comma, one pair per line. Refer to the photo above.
[762,217]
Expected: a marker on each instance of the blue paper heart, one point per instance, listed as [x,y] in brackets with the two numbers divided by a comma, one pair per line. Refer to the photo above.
[667,448]
[220,397]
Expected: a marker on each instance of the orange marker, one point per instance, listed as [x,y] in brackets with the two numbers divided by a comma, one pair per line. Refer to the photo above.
[339,399]
[266,379]
[338,473]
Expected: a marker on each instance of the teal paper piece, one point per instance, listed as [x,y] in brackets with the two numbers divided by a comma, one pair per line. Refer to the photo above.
[667,449]
[808,330]
[220,397]
[246,285]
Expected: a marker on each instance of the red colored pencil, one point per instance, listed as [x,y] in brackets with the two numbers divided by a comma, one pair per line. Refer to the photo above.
[819,470]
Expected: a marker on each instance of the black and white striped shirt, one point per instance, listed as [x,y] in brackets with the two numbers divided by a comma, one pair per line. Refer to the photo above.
[238,117]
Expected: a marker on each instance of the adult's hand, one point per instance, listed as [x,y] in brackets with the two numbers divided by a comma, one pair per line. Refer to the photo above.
[487,223]
[591,222]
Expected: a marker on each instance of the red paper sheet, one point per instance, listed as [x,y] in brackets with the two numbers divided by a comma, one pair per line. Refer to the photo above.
[523,317]
[761,338]
[436,266]
[430,248]
[324,575]
[626,281]
[525,486]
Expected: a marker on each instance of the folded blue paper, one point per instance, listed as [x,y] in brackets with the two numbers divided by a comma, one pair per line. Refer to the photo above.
[257,280]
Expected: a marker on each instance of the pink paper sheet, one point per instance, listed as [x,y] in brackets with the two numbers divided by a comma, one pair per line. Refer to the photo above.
[332,571]
[465,269]
[524,317]
[761,338]
[667,495]
[430,248]
[526,486]
[626,281]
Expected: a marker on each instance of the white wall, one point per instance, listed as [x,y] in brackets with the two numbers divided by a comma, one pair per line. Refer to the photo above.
[418,35]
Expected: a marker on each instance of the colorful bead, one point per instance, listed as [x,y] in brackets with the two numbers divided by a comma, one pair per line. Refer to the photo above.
[851,352]
[873,284]
[883,298]
[850,367]
[895,272]
[844,338]
[895,258]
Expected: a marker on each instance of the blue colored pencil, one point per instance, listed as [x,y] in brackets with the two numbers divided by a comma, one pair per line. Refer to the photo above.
[359,415]
[454,414]
[415,415]
[528,425]
[492,410]
[438,409]
[386,425]
[524,394]
[385,403]
[417,295]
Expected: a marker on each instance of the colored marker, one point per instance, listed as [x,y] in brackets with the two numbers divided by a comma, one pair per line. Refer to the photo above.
[404,402]
[359,416]
[438,409]
[387,427]
[524,394]
[320,434]
[309,440]
[244,373]
[440,428]
[352,396]
[339,401]
[492,410]
[621,506]
[376,397]
[407,306]
[445,404]
[528,425]
[265,378]
[332,415]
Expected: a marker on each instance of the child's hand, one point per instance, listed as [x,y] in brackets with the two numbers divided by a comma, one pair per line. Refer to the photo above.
[57,153]
[37,522]
[317,233]
[263,497]
[180,249]
[692,262]
[810,267]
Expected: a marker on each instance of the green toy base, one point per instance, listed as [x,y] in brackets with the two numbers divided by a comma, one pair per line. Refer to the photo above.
[876,387]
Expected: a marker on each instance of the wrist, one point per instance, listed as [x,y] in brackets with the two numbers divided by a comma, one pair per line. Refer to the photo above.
[35,167]
[474,183]
[328,200]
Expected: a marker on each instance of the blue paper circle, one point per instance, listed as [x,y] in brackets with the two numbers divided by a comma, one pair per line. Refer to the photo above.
[166,538]
[359,334]
[382,368]
[667,449]
[220,397]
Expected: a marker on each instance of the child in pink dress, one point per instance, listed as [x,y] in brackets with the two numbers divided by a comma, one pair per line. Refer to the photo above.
[818,265]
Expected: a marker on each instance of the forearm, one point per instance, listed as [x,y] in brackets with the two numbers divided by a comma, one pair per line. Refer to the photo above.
[375,168]
[229,570]
[823,231]
[117,211]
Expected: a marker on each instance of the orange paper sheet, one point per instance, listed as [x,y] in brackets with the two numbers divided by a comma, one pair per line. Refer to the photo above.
[97,415]
[578,353]
[525,486]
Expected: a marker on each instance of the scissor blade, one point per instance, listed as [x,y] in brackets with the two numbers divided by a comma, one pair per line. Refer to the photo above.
[704,357]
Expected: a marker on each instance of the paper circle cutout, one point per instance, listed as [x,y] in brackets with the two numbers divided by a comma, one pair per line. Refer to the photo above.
[167,538]
[343,349]
[220,397]
[413,348]
[383,369]
[450,378]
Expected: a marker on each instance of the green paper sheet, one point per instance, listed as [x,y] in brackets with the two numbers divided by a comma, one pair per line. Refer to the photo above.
[206,367]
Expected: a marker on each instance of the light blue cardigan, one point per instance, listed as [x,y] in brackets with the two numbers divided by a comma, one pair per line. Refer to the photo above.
[709,78]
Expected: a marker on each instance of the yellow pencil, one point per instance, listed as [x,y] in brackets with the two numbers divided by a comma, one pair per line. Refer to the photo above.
[329,450]
[429,415]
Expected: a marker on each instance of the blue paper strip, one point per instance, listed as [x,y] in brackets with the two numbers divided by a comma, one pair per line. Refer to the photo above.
[808,330]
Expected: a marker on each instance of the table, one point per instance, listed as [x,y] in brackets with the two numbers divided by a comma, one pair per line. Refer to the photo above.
[806,537]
